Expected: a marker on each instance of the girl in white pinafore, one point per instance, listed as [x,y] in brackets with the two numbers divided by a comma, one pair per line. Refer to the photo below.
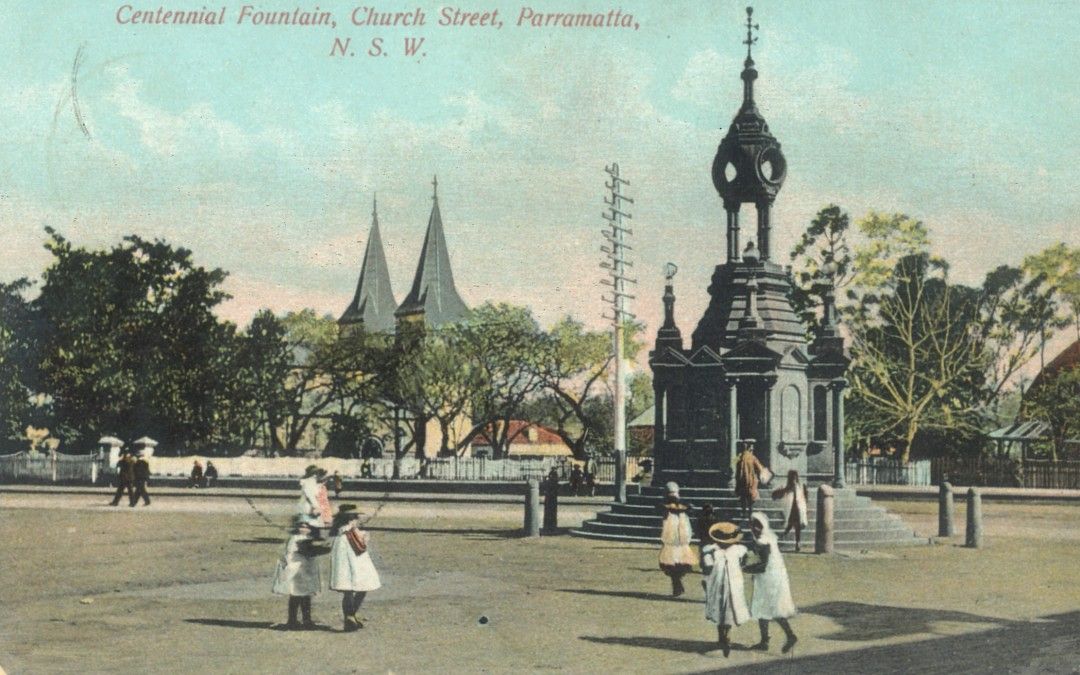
[772,590]
[725,599]
[297,575]
[351,569]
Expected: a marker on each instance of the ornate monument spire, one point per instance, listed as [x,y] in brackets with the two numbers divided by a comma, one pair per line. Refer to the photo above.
[434,297]
[749,167]
[373,304]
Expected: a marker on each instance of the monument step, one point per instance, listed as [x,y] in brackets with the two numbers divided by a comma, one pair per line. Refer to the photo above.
[776,521]
[871,532]
[842,537]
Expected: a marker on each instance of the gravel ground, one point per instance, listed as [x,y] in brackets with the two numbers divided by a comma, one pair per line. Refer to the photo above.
[183,586]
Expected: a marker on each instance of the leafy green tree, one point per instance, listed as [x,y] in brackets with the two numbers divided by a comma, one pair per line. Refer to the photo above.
[822,261]
[1060,266]
[511,355]
[917,363]
[130,342]
[1056,401]
[17,362]
[330,374]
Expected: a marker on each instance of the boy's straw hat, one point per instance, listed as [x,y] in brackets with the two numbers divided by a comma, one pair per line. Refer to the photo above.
[725,533]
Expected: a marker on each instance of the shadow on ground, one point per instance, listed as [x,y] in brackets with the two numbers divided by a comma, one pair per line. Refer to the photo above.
[260,540]
[636,595]
[862,623]
[262,625]
[667,644]
[467,533]
[1047,645]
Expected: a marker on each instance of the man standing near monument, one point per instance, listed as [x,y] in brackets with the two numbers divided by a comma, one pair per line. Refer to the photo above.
[748,473]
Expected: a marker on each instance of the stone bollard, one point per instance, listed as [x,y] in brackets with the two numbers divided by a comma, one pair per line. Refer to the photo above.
[532,509]
[974,519]
[823,537]
[946,511]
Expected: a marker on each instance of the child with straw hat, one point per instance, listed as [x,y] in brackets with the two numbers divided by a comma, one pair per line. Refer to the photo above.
[725,597]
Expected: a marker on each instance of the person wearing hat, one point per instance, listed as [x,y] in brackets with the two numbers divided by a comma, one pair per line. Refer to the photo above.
[297,574]
[676,556]
[141,472]
[125,478]
[749,472]
[196,474]
[721,563]
[314,505]
[772,589]
[352,572]
[210,475]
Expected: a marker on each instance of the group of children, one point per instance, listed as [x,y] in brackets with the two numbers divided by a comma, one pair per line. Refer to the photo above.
[724,557]
[314,533]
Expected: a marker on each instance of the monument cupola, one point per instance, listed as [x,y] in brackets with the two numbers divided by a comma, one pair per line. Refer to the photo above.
[749,167]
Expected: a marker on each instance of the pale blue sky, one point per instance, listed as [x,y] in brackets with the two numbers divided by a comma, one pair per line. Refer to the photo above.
[261,153]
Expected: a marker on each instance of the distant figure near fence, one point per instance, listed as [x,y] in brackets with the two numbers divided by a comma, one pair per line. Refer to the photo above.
[210,475]
[141,471]
[551,501]
[196,475]
[125,478]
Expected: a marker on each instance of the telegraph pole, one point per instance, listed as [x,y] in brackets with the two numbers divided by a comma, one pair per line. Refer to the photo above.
[616,264]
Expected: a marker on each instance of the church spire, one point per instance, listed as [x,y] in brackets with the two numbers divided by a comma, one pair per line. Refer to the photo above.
[434,297]
[373,304]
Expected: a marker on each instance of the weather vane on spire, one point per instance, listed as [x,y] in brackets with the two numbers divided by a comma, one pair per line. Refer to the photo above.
[750,27]
[435,185]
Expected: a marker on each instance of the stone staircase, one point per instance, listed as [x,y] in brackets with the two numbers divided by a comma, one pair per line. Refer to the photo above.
[859,523]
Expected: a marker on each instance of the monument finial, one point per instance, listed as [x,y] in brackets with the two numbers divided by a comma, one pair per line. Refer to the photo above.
[750,39]
[374,205]
[435,186]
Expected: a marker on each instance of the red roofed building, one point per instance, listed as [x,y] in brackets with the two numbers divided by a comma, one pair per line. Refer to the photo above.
[526,440]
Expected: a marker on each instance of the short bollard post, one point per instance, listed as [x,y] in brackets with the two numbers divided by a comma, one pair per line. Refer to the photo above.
[946,512]
[974,519]
[532,509]
[823,536]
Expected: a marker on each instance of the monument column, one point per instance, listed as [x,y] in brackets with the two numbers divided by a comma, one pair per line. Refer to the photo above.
[732,233]
[731,384]
[837,387]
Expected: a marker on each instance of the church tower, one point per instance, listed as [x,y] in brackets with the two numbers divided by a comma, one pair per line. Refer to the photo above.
[373,305]
[749,376]
[433,298]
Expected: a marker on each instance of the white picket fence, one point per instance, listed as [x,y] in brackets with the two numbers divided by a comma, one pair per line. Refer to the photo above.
[880,471]
[54,467]
[58,467]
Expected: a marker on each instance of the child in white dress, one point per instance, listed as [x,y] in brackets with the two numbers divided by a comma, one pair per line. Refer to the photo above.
[772,590]
[297,575]
[352,571]
[725,598]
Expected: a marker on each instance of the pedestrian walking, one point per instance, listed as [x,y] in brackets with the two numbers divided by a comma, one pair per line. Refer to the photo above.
[725,597]
[352,572]
[794,496]
[297,574]
[196,474]
[772,590]
[576,479]
[125,478]
[141,471]
[749,472]
[210,475]
[676,556]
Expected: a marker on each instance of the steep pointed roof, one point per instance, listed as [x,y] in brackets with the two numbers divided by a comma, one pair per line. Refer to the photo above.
[374,304]
[433,293]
